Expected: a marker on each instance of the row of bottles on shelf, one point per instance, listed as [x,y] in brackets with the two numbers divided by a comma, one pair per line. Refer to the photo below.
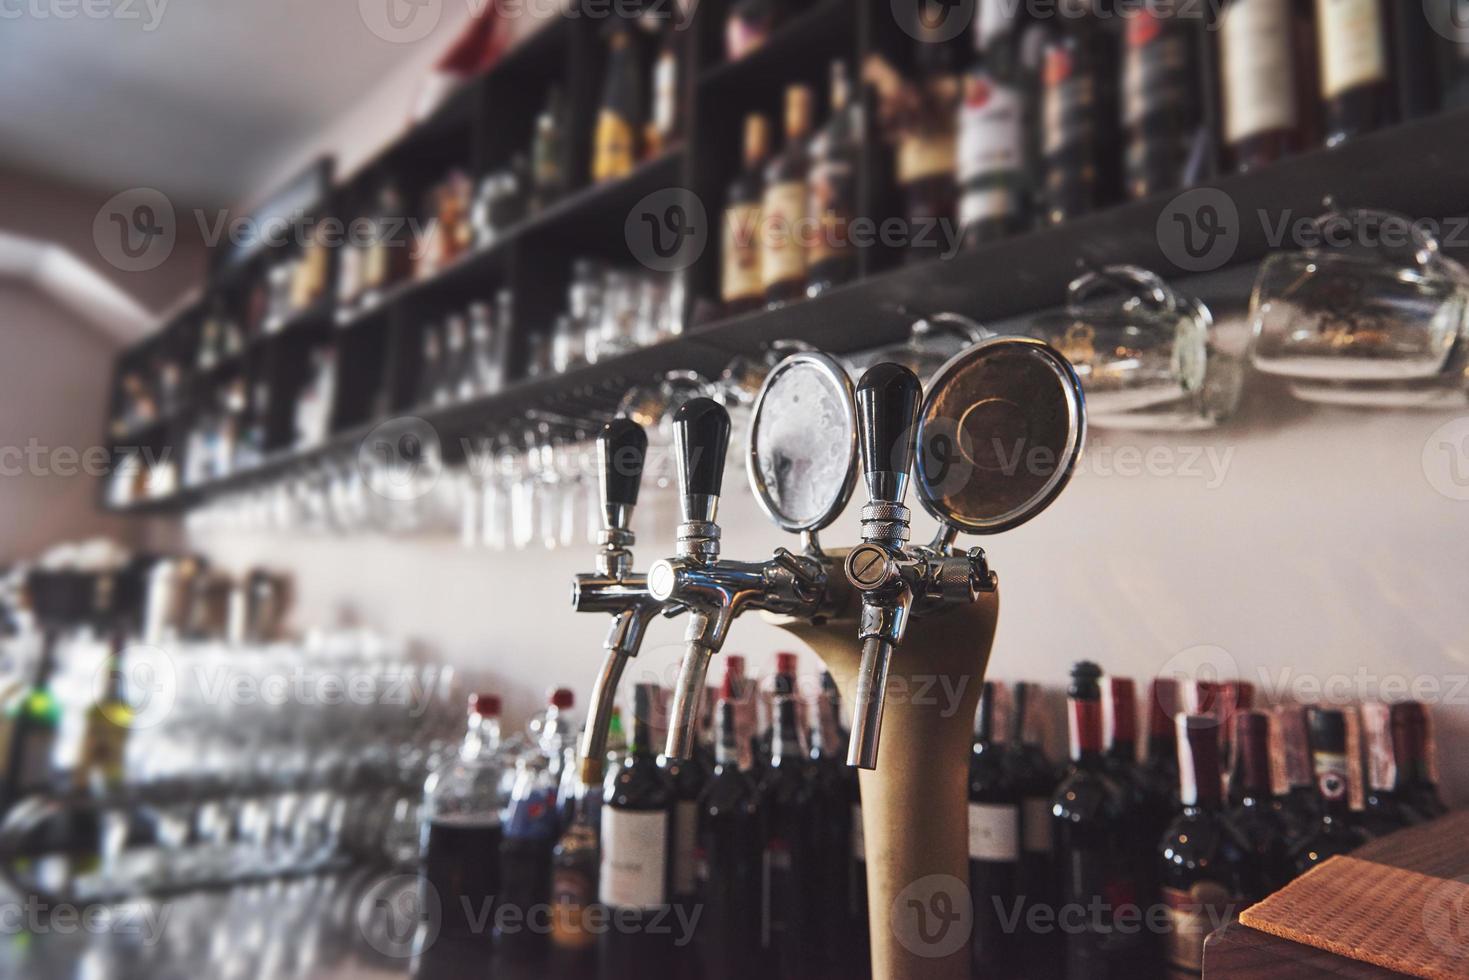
[761,830]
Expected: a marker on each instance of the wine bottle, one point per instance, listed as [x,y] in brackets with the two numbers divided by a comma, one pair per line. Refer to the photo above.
[462,830]
[992,162]
[574,866]
[783,206]
[994,844]
[619,120]
[1267,69]
[1292,759]
[1383,812]
[33,720]
[1160,767]
[928,145]
[548,174]
[1078,114]
[101,768]
[1089,825]
[529,837]
[741,287]
[1203,860]
[687,777]
[1035,782]
[729,854]
[1412,739]
[1357,90]
[835,151]
[1160,100]
[1451,54]
[633,882]
[1254,811]
[831,816]
[1148,811]
[789,893]
[1333,832]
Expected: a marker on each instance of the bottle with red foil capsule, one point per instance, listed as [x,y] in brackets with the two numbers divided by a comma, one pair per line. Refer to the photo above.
[789,892]
[993,152]
[1147,811]
[1160,100]
[1333,832]
[687,777]
[1291,761]
[1098,872]
[994,844]
[1234,697]
[1203,859]
[856,937]
[1412,737]
[1254,811]
[831,812]
[1035,783]
[729,852]
[1383,812]
[1161,763]
[1078,118]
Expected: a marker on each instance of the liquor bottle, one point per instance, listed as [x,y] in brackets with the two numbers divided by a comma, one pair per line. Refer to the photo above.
[1035,782]
[620,117]
[741,288]
[666,120]
[688,777]
[1078,114]
[994,844]
[1291,762]
[835,152]
[831,813]
[1253,810]
[1234,697]
[1090,827]
[34,720]
[1333,832]
[558,730]
[783,206]
[1357,90]
[100,770]
[993,156]
[789,892]
[530,833]
[1412,739]
[548,173]
[462,830]
[1383,812]
[616,740]
[729,854]
[574,865]
[1268,79]
[1160,100]
[1203,860]
[928,144]
[1160,767]
[1148,811]
[637,817]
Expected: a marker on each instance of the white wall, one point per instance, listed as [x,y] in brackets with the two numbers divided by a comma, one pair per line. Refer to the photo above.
[1323,554]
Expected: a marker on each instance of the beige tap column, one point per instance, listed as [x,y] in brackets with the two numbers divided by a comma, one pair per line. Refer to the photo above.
[915,804]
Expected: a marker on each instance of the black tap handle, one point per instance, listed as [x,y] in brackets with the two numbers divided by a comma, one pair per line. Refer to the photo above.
[701,431]
[888,398]
[622,446]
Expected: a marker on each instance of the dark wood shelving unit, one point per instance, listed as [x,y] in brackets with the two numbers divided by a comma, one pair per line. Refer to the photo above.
[1415,168]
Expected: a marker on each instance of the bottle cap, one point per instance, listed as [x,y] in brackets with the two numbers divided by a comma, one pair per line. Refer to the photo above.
[486,705]
[562,698]
[785,663]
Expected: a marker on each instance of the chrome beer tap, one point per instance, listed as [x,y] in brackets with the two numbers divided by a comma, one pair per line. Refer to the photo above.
[714,590]
[615,588]
[975,440]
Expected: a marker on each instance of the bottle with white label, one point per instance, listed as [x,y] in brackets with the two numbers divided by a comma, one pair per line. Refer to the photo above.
[634,882]
[1267,82]
[1357,90]
[1334,832]
[994,844]
[994,115]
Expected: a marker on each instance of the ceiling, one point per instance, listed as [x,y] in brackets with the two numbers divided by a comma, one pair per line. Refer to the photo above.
[199,99]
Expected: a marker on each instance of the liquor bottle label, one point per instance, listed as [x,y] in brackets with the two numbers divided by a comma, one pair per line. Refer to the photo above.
[613,155]
[1331,776]
[986,203]
[1035,823]
[1068,103]
[783,225]
[685,844]
[991,130]
[634,858]
[859,839]
[1152,72]
[1192,915]
[1259,68]
[1353,49]
[994,832]
[741,257]
[926,154]
[833,188]
[665,94]
[572,893]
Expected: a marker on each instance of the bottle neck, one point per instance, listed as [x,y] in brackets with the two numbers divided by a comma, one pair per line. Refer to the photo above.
[984,719]
[1199,783]
[1085,721]
[482,737]
[1250,779]
[726,735]
[1410,751]
[785,741]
